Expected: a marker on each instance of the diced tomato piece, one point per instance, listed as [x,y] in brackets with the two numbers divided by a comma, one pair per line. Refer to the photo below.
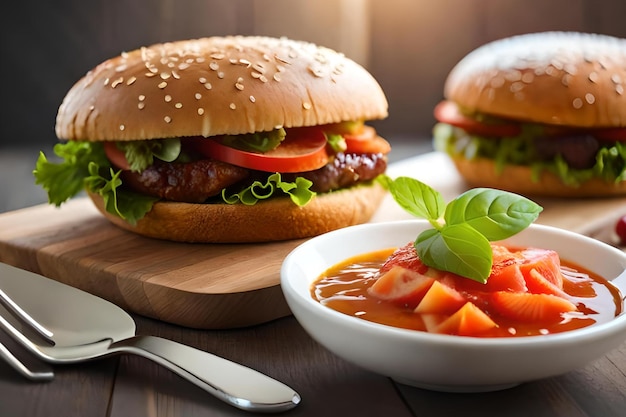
[469,320]
[402,286]
[545,261]
[440,299]
[432,321]
[538,284]
[405,256]
[530,307]
[505,274]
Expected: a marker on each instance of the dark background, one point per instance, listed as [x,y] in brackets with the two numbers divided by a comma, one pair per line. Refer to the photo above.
[409,45]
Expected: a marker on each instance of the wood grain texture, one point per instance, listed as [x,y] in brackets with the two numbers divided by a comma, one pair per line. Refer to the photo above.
[204,286]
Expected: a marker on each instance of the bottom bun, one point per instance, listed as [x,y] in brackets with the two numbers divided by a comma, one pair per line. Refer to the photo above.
[266,221]
[481,172]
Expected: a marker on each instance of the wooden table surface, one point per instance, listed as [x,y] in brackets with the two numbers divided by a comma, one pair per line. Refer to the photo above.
[329,386]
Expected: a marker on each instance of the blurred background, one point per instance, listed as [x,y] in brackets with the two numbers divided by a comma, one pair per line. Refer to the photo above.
[408,45]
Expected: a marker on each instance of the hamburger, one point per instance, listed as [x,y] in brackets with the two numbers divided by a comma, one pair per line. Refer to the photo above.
[222,139]
[539,114]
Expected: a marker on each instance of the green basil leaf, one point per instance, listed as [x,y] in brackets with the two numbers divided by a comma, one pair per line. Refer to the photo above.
[494,213]
[417,198]
[457,248]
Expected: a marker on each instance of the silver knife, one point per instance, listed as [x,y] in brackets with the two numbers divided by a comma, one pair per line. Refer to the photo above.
[82,326]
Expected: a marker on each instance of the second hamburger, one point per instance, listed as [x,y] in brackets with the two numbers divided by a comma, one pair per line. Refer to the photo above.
[539,114]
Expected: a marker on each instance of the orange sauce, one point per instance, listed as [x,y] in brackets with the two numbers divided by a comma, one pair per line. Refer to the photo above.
[344,286]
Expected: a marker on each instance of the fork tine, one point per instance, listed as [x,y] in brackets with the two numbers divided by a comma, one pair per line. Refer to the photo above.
[17,311]
[35,371]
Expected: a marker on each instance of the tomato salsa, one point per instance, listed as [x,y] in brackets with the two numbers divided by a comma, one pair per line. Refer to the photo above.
[530,292]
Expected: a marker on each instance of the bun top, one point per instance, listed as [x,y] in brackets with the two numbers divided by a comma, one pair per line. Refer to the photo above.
[217,85]
[560,78]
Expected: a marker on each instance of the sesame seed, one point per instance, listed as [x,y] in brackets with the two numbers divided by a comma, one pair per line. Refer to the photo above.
[214,66]
[619,89]
[590,98]
[220,75]
[276,77]
[208,86]
[202,80]
[263,78]
[141,97]
[233,106]
[175,75]
[117,82]
[516,87]
[141,105]
[200,60]
[183,66]
[217,56]
[165,75]
[178,105]
[131,80]
[106,81]
[252,99]
[306,105]
[168,98]
[238,84]
[616,79]
[122,127]
[198,96]
[150,74]
[162,85]
[167,119]
[577,103]
[496,82]
[593,77]
[256,74]
[200,111]
[528,77]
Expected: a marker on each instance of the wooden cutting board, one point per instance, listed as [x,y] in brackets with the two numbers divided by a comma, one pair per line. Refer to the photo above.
[209,286]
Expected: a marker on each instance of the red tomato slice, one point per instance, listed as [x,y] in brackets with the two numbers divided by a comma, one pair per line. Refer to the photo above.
[304,149]
[366,141]
[115,156]
[448,112]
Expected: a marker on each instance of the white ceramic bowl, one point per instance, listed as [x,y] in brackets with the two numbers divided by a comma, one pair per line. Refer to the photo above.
[445,362]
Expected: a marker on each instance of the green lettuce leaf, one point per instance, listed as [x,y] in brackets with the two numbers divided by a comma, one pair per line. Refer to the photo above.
[610,162]
[299,191]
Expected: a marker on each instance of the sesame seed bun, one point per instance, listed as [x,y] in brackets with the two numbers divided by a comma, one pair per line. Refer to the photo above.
[560,78]
[215,86]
